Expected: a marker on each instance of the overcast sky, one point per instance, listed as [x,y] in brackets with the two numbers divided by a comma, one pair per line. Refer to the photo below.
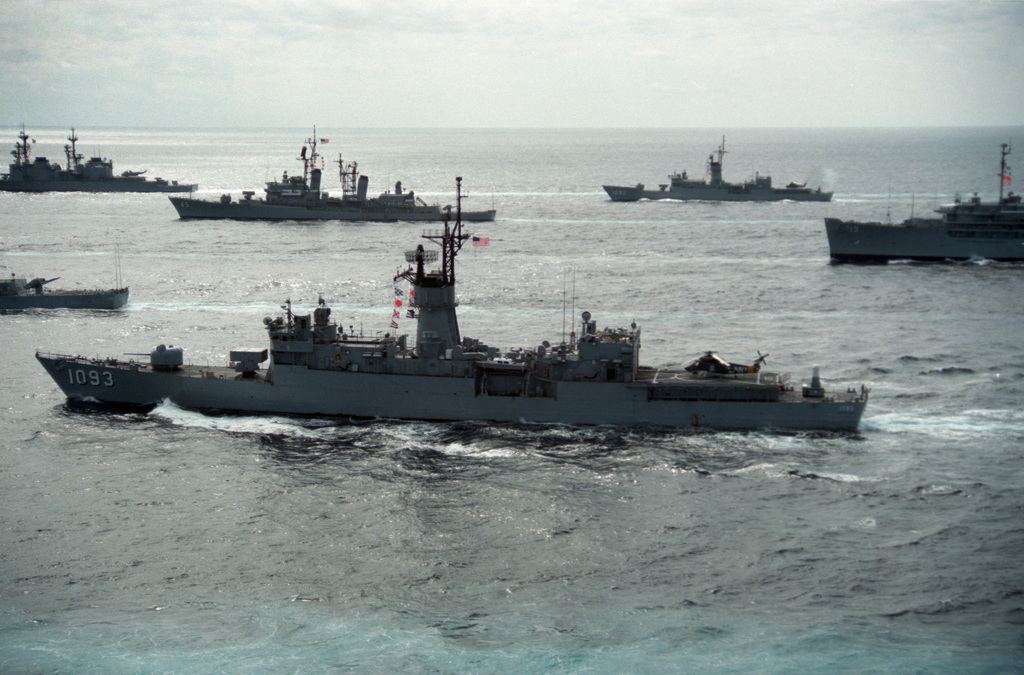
[511,63]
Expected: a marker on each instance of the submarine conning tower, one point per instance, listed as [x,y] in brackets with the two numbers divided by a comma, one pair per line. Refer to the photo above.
[437,328]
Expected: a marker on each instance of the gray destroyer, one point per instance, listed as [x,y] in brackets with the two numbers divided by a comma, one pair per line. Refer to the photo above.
[966,229]
[681,187]
[19,293]
[95,175]
[300,198]
[316,368]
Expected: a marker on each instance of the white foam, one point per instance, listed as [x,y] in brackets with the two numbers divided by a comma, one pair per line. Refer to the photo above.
[966,424]
[244,424]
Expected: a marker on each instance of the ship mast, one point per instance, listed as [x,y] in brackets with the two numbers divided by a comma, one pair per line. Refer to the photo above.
[1003,177]
[349,175]
[450,240]
[20,151]
[309,163]
[452,243]
[715,168]
[71,152]
[437,326]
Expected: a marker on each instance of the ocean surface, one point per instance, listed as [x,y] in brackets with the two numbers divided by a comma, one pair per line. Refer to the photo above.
[174,541]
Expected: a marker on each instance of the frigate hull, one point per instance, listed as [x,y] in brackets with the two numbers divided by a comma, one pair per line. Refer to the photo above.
[732,193]
[716,189]
[316,367]
[252,209]
[924,239]
[301,391]
[112,185]
[113,299]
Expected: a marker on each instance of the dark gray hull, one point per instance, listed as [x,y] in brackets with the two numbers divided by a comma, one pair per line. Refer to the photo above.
[299,390]
[114,185]
[112,299]
[921,239]
[619,193]
[253,209]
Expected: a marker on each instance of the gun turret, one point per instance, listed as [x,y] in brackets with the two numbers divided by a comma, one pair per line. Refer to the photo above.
[39,282]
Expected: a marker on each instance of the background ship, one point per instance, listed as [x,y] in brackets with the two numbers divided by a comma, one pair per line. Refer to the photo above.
[300,198]
[593,378]
[967,229]
[96,175]
[17,293]
[716,189]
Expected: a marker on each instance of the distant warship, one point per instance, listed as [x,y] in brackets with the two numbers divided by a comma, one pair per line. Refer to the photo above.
[300,198]
[967,229]
[18,293]
[96,175]
[683,188]
[317,368]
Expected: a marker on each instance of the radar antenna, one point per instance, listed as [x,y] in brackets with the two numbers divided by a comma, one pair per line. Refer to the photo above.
[451,240]
[349,175]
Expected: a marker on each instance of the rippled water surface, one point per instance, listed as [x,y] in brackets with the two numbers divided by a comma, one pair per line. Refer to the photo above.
[174,541]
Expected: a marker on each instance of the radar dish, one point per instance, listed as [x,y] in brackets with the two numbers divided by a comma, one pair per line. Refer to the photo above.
[428,256]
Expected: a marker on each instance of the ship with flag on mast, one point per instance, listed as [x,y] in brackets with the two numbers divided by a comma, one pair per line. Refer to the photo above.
[966,229]
[315,367]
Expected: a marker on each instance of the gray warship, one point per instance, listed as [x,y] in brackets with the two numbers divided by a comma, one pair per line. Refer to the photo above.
[681,187]
[19,293]
[966,230]
[317,368]
[300,198]
[95,175]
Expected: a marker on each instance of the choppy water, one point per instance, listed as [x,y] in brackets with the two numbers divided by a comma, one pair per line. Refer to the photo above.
[175,541]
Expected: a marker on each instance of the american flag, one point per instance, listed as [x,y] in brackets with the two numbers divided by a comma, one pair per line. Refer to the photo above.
[481,241]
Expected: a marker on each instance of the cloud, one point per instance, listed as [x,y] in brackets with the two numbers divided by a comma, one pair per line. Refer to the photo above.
[530,63]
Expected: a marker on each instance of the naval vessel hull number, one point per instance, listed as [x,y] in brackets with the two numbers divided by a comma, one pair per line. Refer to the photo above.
[93,377]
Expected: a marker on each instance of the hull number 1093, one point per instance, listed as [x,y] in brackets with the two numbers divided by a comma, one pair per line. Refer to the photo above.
[93,377]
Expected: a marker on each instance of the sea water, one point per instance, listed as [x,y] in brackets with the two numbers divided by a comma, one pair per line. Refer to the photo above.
[175,541]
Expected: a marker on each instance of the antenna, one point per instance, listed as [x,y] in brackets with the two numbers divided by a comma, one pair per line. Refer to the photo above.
[563,307]
[117,265]
[572,334]
[888,204]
